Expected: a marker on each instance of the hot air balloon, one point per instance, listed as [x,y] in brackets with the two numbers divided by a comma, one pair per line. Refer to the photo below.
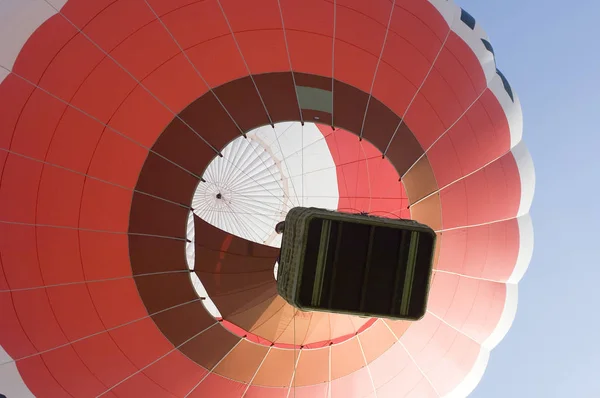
[150,147]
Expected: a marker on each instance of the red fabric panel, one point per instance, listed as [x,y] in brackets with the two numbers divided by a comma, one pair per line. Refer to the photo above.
[354,384]
[176,373]
[491,194]
[256,15]
[376,340]
[310,53]
[360,30]
[175,83]
[478,138]
[266,392]
[104,358]
[36,55]
[428,340]
[104,90]
[104,207]
[437,92]
[14,94]
[104,255]
[3,282]
[496,115]
[123,17]
[389,364]
[264,50]
[427,15]
[398,48]
[36,125]
[142,342]
[346,358]
[444,156]
[117,160]
[470,305]
[354,66]
[432,344]
[490,132]
[449,88]
[392,88]
[182,21]
[488,251]
[309,31]
[377,11]
[318,390]
[117,302]
[464,354]
[364,177]
[70,67]
[59,197]
[213,385]
[19,256]
[37,319]
[82,12]
[145,50]
[14,339]
[74,310]
[470,67]
[314,16]
[75,141]
[416,28]
[71,373]
[417,387]
[230,67]
[141,386]
[461,70]
[423,120]
[40,381]
[141,117]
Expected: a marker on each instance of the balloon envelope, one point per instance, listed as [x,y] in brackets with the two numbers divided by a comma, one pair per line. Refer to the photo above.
[149,148]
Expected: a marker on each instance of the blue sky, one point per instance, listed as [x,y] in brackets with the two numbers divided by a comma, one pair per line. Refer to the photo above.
[550,53]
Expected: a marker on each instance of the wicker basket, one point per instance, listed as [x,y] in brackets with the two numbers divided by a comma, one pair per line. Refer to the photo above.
[294,248]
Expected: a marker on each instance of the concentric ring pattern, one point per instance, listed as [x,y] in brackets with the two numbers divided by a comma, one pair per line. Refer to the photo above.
[148,148]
